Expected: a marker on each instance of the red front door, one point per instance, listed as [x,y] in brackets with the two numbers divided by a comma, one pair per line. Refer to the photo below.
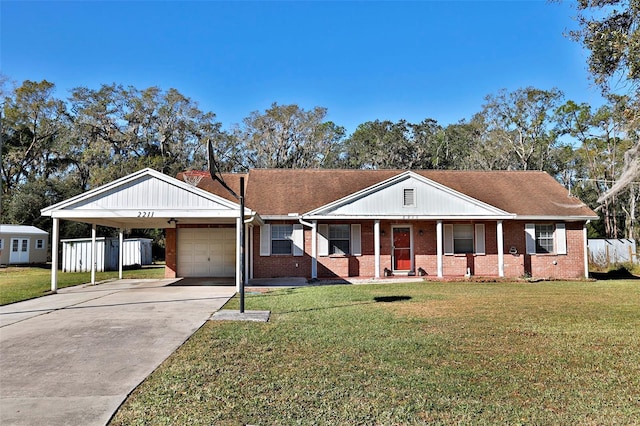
[402,249]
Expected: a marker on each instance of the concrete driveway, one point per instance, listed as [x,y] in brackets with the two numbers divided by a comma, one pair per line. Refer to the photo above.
[72,358]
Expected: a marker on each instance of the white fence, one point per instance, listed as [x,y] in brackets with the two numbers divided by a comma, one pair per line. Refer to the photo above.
[76,254]
[604,252]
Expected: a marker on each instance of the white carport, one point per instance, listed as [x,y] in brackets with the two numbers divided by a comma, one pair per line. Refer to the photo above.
[146,199]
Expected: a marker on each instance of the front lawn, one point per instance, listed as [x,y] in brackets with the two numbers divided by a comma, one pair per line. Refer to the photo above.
[22,283]
[495,353]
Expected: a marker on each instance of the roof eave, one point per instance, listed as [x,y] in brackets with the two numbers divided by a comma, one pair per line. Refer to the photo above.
[407,217]
[568,218]
[48,211]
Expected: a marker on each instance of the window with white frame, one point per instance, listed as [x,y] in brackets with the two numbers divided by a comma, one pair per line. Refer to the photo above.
[281,239]
[339,239]
[544,238]
[1,243]
[39,244]
[462,238]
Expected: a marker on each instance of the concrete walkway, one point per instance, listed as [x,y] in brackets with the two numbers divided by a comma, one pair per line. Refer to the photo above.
[72,358]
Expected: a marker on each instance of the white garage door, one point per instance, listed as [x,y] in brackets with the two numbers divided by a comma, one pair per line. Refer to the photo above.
[206,252]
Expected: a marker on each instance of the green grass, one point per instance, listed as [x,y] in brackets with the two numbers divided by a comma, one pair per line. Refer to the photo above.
[22,283]
[436,353]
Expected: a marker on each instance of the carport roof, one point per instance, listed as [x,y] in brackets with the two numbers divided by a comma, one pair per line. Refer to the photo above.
[146,199]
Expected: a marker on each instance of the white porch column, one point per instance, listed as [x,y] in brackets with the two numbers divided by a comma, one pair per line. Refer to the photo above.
[585,242]
[246,254]
[250,250]
[54,254]
[439,249]
[238,252]
[120,252]
[500,240]
[376,248]
[93,254]
[314,250]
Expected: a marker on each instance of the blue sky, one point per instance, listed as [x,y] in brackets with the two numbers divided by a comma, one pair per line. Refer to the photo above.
[361,60]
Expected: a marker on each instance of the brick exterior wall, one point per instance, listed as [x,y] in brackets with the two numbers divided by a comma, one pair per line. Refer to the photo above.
[281,265]
[516,262]
[566,266]
[170,253]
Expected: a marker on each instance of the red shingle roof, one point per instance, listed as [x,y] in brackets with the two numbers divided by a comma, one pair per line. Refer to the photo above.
[283,191]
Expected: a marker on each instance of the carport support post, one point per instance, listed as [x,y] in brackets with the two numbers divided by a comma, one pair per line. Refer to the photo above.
[500,242]
[93,253]
[54,254]
[241,224]
[439,249]
[376,248]
[120,252]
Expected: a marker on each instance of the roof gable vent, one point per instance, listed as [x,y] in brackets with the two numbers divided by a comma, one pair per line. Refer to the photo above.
[409,197]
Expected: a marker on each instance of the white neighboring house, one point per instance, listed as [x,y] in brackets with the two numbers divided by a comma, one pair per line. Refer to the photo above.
[22,244]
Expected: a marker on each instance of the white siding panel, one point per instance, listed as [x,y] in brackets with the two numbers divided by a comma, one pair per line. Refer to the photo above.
[430,200]
[149,193]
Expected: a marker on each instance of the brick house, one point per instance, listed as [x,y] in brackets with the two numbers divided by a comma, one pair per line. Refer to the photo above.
[368,223]
[350,223]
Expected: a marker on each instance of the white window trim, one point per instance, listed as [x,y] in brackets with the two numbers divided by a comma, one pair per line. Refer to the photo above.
[38,242]
[355,239]
[479,238]
[559,238]
[271,239]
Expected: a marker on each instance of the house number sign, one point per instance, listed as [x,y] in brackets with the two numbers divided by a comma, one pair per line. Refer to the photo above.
[145,214]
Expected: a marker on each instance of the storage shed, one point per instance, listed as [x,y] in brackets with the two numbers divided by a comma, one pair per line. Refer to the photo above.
[22,244]
[76,253]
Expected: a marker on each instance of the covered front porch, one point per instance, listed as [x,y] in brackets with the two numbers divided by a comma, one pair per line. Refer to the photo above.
[421,248]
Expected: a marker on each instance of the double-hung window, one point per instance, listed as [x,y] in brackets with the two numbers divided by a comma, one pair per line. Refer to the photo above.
[39,244]
[462,238]
[281,239]
[546,238]
[339,239]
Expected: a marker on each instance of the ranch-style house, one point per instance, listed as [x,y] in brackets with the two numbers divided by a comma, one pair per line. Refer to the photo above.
[348,223]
